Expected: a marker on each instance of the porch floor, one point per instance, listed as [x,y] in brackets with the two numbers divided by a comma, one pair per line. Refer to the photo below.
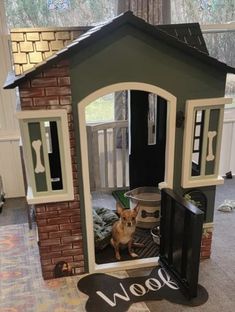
[142,236]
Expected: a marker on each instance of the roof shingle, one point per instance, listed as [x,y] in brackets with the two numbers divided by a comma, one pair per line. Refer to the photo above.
[185,37]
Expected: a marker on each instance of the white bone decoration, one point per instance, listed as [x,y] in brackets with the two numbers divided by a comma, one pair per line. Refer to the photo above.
[39,166]
[211,135]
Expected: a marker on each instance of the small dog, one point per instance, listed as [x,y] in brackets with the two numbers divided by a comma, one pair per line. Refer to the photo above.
[123,230]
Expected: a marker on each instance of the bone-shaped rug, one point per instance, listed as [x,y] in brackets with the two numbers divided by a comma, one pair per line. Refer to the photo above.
[107,293]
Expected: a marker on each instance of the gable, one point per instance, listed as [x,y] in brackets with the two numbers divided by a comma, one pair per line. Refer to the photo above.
[101,31]
[31,46]
[130,55]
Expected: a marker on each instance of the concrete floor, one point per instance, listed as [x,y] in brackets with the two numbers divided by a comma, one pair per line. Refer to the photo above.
[14,211]
[217,275]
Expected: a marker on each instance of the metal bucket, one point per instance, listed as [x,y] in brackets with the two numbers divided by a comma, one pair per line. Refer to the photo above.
[149,199]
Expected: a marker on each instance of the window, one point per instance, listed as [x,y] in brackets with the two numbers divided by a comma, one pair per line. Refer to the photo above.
[47,155]
[216,20]
[197,142]
[202,11]
[220,41]
[57,13]
[202,140]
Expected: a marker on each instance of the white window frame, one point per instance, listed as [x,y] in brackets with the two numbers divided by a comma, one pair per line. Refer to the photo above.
[224,27]
[187,180]
[169,167]
[67,193]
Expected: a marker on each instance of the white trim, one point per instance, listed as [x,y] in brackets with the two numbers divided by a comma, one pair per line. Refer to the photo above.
[10,136]
[66,164]
[126,265]
[187,180]
[211,28]
[208,102]
[32,114]
[205,182]
[47,199]
[229,120]
[169,163]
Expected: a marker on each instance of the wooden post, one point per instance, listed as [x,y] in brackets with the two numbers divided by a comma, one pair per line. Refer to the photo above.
[152,11]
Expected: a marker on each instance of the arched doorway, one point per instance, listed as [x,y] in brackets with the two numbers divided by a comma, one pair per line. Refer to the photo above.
[84,168]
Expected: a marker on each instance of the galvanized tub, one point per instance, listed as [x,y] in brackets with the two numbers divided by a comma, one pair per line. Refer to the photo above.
[149,199]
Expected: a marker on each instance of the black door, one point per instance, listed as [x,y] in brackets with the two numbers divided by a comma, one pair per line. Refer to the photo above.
[146,161]
[181,232]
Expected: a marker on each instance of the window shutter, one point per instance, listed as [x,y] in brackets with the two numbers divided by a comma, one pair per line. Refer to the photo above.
[46,147]
[202,142]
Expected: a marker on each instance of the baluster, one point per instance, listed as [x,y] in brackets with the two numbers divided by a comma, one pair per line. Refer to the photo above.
[114,158]
[105,160]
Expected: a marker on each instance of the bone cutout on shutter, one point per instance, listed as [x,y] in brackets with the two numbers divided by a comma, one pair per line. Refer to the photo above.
[211,136]
[39,168]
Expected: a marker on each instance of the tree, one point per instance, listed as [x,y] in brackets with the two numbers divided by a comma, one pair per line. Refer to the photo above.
[37,13]
[202,11]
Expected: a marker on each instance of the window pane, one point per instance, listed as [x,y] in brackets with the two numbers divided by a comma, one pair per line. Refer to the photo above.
[222,47]
[152,119]
[37,156]
[54,157]
[196,145]
[43,13]
[198,130]
[198,116]
[202,11]
[197,142]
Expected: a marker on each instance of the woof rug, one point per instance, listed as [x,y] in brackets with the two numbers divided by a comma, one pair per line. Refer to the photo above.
[22,288]
[114,294]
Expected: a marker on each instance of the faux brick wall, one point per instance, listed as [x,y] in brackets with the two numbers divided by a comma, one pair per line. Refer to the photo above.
[206,242]
[59,226]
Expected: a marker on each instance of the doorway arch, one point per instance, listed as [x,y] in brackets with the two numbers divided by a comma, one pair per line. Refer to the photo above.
[84,167]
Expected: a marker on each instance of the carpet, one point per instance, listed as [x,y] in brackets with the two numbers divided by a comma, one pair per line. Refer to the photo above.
[22,288]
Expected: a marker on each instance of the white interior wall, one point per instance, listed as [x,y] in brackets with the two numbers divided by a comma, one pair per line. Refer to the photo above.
[227,158]
[10,161]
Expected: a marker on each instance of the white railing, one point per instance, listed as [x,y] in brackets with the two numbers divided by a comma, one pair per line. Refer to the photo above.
[108,152]
[108,155]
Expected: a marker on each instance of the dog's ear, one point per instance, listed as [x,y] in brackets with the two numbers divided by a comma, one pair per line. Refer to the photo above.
[136,209]
[119,208]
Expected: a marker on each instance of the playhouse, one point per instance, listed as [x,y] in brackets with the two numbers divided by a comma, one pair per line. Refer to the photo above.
[164,69]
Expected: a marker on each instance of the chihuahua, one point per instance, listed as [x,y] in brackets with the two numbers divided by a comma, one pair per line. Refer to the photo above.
[123,230]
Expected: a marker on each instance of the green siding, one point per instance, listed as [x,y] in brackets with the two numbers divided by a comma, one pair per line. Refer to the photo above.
[128,55]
